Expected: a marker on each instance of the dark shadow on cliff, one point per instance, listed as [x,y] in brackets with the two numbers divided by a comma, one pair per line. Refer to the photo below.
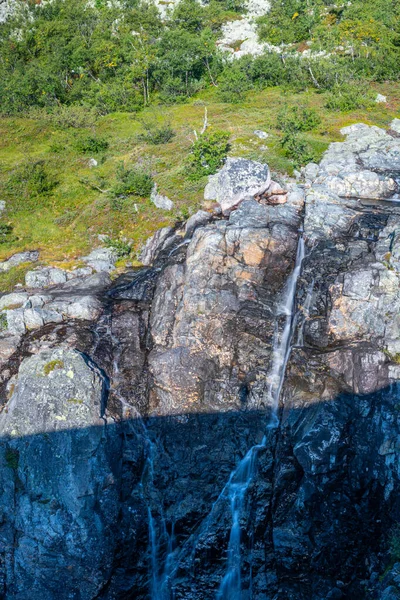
[96,512]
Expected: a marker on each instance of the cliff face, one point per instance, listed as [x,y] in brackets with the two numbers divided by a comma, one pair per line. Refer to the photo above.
[224,422]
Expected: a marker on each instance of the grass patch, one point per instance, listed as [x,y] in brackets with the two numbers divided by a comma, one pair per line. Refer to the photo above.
[63,221]
[9,279]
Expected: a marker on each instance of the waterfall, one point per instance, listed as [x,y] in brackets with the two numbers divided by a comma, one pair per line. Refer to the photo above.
[282,347]
[240,479]
[242,476]
[160,541]
[234,492]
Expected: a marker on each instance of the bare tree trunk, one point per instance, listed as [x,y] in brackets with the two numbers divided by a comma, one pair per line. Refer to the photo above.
[315,82]
[209,72]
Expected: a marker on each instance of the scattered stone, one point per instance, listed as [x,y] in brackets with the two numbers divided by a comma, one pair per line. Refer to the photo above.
[15,321]
[18,259]
[380,99]
[2,206]
[239,179]
[101,259]
[92,162]
[261,134]
[45,277]
[160,201]
[310,171]
[395,126]
[13,300]
[8,346]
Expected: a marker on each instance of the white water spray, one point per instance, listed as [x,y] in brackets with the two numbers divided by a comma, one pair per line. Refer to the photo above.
[282,347]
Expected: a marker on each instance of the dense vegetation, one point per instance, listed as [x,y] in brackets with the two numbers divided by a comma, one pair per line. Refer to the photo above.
[121,56]
[362,37]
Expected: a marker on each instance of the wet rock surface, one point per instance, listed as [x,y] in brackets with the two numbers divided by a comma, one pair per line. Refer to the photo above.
[141,418]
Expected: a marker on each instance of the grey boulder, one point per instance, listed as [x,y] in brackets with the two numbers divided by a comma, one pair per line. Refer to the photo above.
[239,179]
[18,259]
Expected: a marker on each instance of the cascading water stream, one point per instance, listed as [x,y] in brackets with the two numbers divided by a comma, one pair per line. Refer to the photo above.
[282,348]
[238,484]
[241,477]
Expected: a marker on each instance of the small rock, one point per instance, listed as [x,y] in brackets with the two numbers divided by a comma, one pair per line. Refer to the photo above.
[161,201]
[48,276]
[395,126]
[311,171]
[14,300]
[101,260]
[261,134]
[2,206]
[380,99]
[33,318]
[92,162]
[18,259]
[15,321]
[274,189]
[86,308]
[275,199]
[79,272]
[8,346]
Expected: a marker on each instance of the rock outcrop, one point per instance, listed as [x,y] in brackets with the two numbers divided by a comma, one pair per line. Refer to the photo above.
[224,422]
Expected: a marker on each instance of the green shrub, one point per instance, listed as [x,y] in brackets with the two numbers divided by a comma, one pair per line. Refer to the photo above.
[65,116]
[297,149]
[91,144]
[297,118]
[75,117]
[208,153]
[31,179]
[349,97]
[233,85]
[5,232]
[121,246]
[267,70]
[133,181]
[156,133]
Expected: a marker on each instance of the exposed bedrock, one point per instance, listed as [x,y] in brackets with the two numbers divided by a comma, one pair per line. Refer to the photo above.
[223,423]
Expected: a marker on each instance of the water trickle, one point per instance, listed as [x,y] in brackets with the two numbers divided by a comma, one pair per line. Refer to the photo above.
[240,479]
[242,476]
[161,542]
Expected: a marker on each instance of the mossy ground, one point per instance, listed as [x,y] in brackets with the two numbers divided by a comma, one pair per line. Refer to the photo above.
[64,224]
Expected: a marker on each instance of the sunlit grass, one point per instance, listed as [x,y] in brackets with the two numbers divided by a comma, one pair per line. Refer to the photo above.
[65,224]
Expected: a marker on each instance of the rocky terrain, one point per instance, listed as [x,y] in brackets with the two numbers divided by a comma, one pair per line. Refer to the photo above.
[224,422]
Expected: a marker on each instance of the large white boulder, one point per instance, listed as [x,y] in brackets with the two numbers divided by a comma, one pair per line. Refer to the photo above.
[239,179]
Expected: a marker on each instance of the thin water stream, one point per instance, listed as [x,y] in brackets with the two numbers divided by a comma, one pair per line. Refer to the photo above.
[242,476]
